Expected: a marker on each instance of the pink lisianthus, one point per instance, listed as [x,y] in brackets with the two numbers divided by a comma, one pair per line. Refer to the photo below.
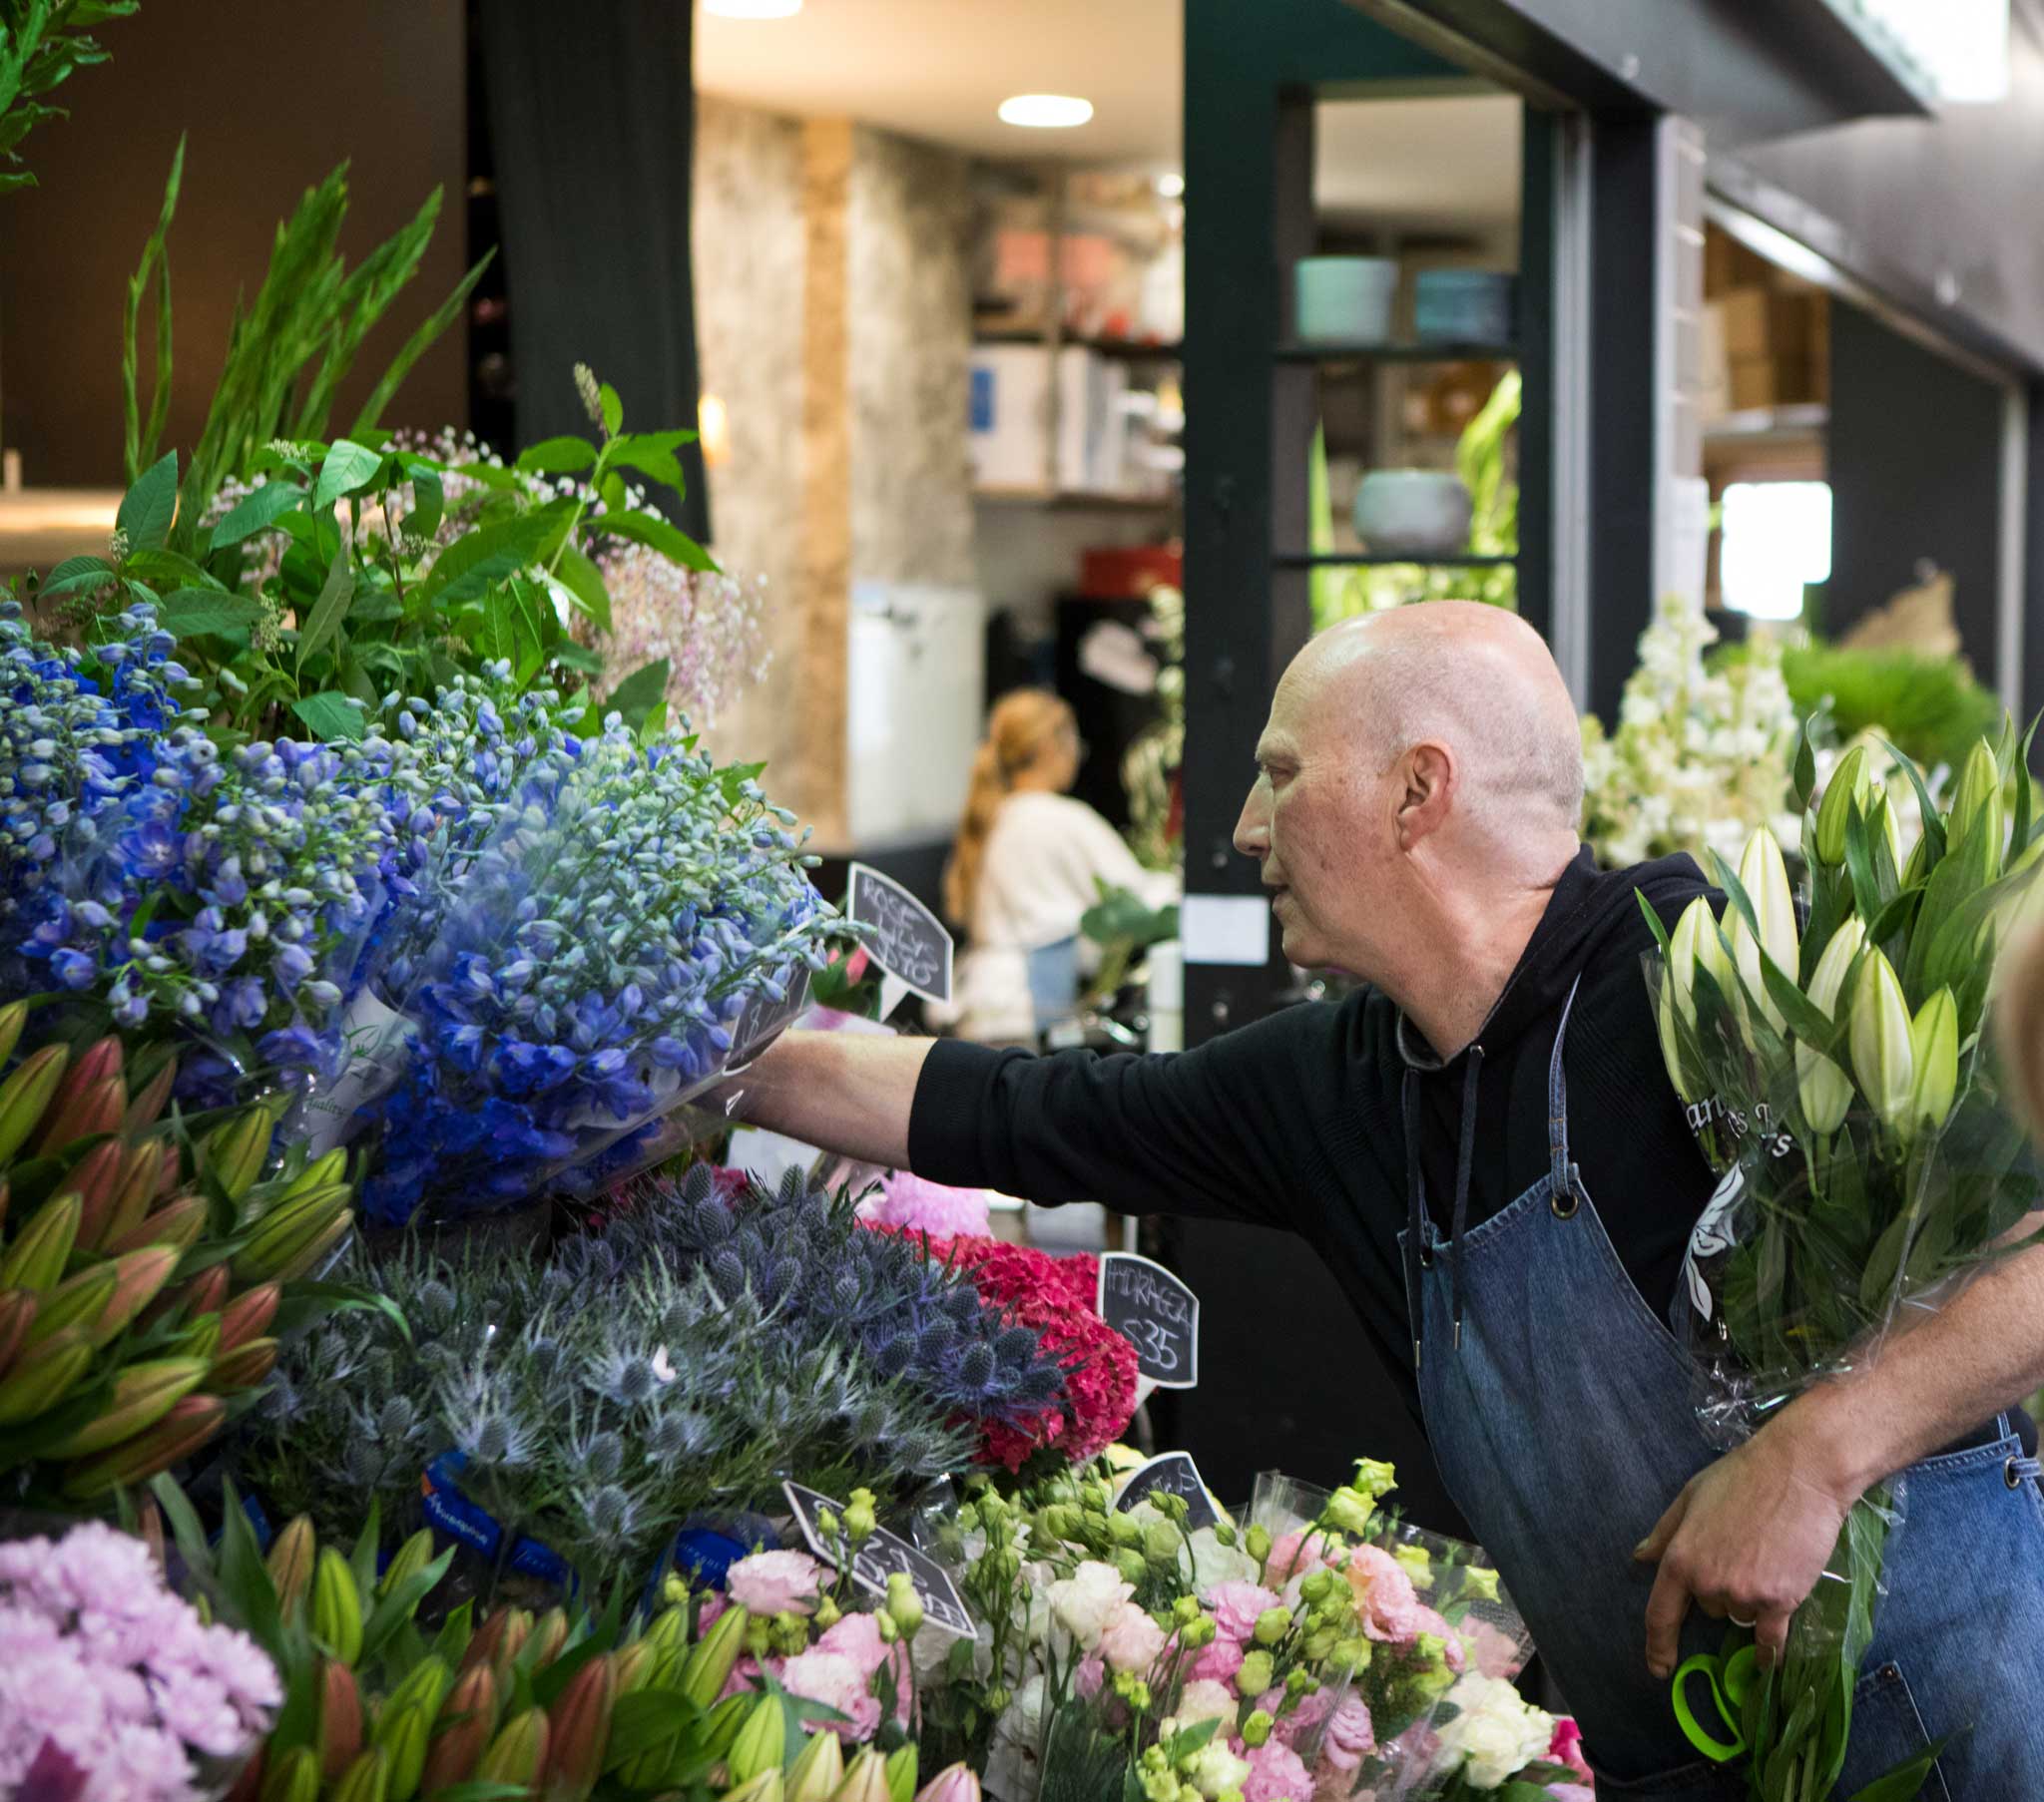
[1566,1747]
[745,1676]
[1349,1736]
[1385,1600]
[1497,1654]
[1131,1640]
[1217,1663]
[836,1680]
[907,1201]
[857,1638]
[1303,1721]
[1292,1556]
[1570,1792]
[1090,1674]
[1235,1607]
[775,1583]
[1277,1774]
[714,1604]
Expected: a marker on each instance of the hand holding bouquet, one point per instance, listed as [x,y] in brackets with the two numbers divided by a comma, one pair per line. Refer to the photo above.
[1839,1079]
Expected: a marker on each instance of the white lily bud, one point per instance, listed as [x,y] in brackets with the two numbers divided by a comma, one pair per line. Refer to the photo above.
[1765,877]
[1882,1057]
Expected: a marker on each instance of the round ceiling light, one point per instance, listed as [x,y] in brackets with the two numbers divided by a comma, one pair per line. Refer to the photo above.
[754,9]
[1046,112]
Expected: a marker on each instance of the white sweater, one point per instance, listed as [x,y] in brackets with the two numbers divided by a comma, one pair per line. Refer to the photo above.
[1043,857]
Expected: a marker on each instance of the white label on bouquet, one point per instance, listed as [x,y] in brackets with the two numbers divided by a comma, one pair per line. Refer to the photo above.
[1708,1238]
[377,1043]
[1176,1473]
[902,936]
[880,1557]
[764,1020]
[768,1156]
[1155,1313]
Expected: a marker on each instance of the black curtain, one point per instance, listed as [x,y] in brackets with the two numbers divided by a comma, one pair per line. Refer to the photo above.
[591,130]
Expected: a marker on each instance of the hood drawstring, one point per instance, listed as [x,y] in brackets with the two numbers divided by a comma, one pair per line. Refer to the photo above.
[1419,1233]
[1416,1222]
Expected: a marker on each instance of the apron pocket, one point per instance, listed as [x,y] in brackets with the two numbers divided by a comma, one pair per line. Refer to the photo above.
[1887,1731]
[1701,1781]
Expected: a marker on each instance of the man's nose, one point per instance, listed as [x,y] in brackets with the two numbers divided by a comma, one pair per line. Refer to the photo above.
[1253,830]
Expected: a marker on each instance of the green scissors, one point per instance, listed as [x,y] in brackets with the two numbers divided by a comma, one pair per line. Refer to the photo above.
[1731,1676]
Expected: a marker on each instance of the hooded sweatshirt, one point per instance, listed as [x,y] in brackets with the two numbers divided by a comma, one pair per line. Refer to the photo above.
[1316,1118]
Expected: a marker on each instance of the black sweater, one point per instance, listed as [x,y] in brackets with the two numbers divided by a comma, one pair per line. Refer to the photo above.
[1294,1121]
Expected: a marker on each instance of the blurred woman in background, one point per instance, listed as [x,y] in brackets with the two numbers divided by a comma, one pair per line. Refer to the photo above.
[1024,868]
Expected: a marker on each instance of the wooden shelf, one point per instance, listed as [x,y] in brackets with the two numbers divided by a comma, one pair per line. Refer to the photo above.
[1335,560]
[1074,500]
[1396,354]
[1126,349]
[1806,419]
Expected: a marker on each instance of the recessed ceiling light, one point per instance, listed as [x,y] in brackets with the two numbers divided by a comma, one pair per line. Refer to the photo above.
[1046,112]
[1170,184]
[754,9]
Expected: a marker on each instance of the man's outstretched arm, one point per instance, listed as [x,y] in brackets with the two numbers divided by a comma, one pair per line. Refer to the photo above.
[849,1092]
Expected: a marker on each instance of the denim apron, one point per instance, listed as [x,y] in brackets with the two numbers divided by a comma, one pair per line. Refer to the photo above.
[1559,1410]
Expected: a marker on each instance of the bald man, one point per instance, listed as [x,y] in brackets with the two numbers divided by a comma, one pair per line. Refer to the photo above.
[1484,1148]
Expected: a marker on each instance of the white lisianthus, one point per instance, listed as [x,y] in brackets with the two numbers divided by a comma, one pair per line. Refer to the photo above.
[1213,1563]
[1495,1734]
[1215,1770]
[1085,1602]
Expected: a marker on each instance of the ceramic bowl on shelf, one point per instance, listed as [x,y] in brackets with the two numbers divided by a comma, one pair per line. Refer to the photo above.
[1413,513]
[1463,306]
[1343,299]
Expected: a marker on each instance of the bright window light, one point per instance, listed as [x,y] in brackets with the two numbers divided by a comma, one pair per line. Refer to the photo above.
[1046,112]
[1961,45]
[1775,538]
[754,9]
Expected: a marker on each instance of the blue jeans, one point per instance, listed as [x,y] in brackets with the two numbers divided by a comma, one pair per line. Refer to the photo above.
[1054,980]
[1563,1426]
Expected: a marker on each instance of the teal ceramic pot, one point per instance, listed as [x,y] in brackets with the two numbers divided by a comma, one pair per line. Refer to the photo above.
[1343,299]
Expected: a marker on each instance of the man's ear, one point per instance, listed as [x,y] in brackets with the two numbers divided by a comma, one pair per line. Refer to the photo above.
[1427,789]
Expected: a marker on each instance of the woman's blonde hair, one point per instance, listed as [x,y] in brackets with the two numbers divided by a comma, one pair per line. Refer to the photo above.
[1023,725]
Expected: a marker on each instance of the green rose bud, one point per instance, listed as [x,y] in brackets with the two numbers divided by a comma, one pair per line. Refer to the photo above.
[1124,1530]
[904,1605]
[1254,1675]
[858,1517]
[1132,1566]
[1320,1644]
[1256,1730]
[1348,1512]
[1185,1610]
[1259,1542]
[1416,1565]
[1160,1543]
[1171,1506]
[1480,1581]
[1300,1681]
[1314,1586]
[1271,1625]
[1375,1478]
[1198,1631]
[1350,1654]
[828,1614]
[968,1516]
[1224,1534]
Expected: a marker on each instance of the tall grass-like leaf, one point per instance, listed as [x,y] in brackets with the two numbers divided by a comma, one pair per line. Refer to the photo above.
[415,346]
[361,301]
[139,446]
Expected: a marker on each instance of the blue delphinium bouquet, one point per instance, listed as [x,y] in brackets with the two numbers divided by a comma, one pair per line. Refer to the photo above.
[218,899]
[573,972]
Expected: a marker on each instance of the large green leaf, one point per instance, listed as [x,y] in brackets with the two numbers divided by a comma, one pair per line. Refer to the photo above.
[190,613]
[349,467]
[652,454]
[650,530]
[256,513]
[329,716]
[491,551]
[557,456]
[75,573]
[330,609]
[167,569]
[149,507]
[584,580]
[639,692]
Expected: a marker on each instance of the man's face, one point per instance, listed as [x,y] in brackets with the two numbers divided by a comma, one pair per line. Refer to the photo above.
[1310,823]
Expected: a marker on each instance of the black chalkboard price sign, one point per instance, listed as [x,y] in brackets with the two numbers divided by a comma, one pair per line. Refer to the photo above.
[1155,1313]
[902,936]
[1177,1472]
[880,1557]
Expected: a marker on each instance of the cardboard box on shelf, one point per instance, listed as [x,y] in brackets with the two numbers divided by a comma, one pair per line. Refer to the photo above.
[1714,368]
[1728,264]
[1761,322]
[1770,382]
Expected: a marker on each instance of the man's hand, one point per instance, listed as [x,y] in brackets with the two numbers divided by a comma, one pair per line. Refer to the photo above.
[1748,1540]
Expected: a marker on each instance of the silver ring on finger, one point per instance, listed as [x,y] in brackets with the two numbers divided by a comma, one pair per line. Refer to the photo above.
[1736,1621]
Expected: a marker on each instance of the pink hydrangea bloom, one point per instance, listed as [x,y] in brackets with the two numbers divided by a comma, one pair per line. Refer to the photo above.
[1349,1735]
[1131,1640]
[857,1638]
[775,1583]
[1235,1607]
[915,1205]
[1217,1664]
[1384,1598]
[1277,1774]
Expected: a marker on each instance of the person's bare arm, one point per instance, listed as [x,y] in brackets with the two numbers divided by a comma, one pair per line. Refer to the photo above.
[846,1093]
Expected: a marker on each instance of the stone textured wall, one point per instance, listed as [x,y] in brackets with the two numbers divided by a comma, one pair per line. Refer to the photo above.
[834,309]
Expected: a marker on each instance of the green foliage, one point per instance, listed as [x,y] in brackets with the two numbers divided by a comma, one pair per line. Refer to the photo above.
[1930,708]
[41,43]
